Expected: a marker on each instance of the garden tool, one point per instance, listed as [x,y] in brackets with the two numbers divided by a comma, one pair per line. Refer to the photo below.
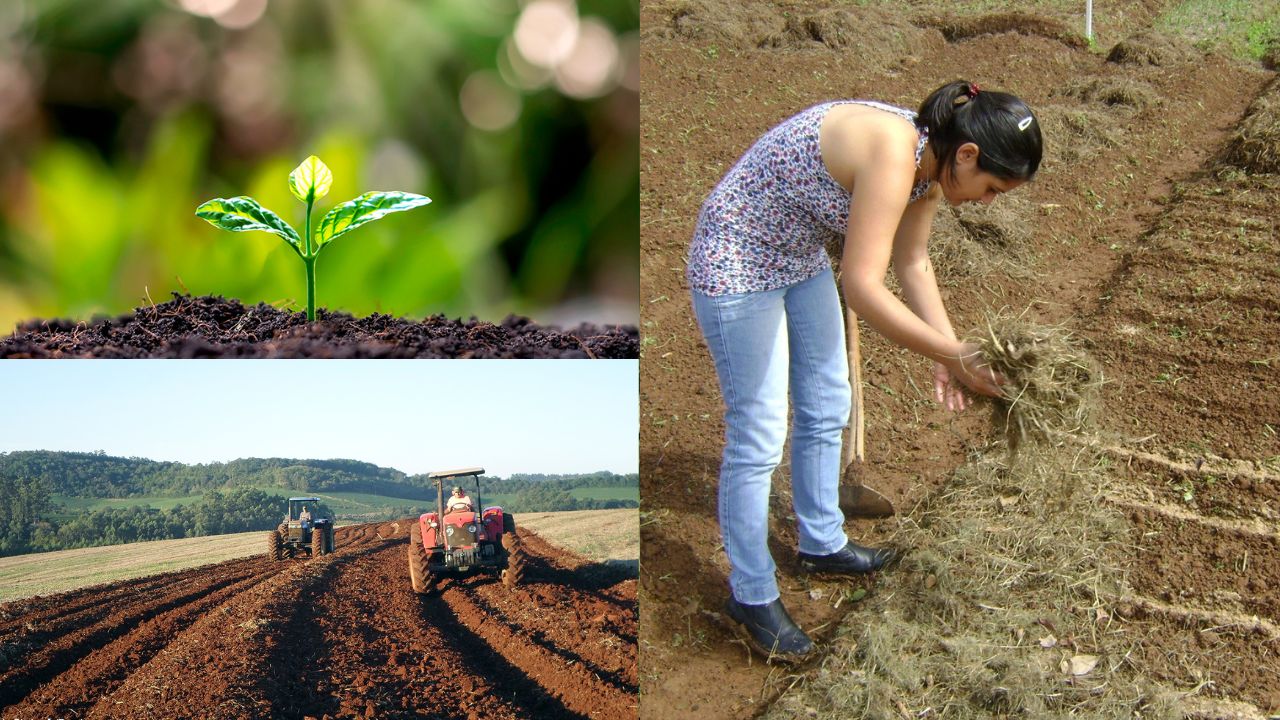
[857,500]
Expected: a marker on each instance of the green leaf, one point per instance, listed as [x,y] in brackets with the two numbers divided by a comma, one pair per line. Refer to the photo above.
[242,214]
[368,207]
[310,181]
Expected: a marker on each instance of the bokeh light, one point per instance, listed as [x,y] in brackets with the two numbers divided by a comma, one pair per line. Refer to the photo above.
[487,102]
[588,70]
[547,31]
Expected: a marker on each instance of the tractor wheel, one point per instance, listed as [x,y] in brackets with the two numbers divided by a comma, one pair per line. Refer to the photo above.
[274,550]
[514,573]
[317,542]
[419,576]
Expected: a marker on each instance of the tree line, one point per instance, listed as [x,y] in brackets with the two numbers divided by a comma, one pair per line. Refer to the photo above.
[218,512]
[30,521]
[99,475]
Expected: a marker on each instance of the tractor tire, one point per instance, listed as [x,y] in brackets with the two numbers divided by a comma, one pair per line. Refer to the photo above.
[419,576]
[514,572]
[317,542]
[274,549]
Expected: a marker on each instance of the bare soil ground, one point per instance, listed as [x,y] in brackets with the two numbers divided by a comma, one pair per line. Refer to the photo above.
[335,637]
[1138,235]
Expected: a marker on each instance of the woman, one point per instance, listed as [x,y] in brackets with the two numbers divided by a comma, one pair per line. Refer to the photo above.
[765,298]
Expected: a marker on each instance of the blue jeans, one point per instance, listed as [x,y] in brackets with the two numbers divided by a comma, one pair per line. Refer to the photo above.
[763,343]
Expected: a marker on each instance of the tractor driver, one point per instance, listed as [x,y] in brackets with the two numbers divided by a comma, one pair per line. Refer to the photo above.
[304,516]
[458,502]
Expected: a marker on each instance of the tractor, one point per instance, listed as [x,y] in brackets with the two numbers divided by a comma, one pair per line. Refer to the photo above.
[304,529]
[457,540]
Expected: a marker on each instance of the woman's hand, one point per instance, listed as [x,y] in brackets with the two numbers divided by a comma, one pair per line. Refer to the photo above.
[969,368]
[947,392]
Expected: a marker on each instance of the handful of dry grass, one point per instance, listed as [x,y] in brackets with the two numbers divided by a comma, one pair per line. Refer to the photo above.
[1052,386]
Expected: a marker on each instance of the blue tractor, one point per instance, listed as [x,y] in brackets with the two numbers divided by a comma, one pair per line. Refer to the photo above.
[306,528]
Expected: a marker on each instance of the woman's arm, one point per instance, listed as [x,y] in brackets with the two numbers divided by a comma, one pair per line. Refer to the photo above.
[884,171]
[912,266]
[920,287]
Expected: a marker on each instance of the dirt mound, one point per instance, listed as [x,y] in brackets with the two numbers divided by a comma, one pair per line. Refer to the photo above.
[1271,55]
[341,636]
[1112,91]
[1074,133]
[762,25]
[963,28]
[1256,144]
[1150,48]
[975,240]
[214,327]
[847,26]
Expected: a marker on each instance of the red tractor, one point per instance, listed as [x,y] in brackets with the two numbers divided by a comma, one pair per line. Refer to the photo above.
[458,540]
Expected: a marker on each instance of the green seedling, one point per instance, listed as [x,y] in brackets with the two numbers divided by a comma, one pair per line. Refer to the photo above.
[309,182]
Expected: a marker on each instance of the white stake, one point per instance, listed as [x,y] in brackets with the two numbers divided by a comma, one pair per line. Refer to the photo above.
[1088,20]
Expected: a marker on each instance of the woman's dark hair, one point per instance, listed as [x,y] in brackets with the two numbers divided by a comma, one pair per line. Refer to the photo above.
[1002,126]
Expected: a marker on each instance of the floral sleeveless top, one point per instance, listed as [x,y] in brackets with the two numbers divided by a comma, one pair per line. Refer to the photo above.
[767,223]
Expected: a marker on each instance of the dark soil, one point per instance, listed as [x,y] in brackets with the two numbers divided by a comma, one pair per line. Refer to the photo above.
[214,327]
[1159,256]
[342,636]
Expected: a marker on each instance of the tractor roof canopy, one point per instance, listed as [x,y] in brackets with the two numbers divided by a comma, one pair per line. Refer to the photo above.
[464,472]
[305,499]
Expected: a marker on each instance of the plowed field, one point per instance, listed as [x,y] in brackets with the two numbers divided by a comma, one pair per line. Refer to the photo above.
[335,637]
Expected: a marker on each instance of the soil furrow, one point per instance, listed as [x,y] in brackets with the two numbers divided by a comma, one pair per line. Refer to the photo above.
[103,670]
[52,612]
[57,656]
[510,678]
[1226,566]
[338,636]
[577,635]
[576,686]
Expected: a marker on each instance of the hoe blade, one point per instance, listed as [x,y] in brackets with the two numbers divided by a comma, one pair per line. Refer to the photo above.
[858,500]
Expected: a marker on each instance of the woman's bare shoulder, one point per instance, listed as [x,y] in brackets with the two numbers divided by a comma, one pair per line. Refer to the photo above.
[857,139]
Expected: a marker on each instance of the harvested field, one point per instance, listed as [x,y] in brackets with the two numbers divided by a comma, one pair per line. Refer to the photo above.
[339,636]
[1150,234]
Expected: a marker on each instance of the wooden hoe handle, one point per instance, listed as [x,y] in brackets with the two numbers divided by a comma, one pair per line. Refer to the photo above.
[853,450]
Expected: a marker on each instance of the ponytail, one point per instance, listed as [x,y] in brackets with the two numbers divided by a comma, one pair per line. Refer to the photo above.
[1002,126]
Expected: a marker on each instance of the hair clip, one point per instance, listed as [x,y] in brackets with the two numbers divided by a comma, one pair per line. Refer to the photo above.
[1025,123]
[973,90]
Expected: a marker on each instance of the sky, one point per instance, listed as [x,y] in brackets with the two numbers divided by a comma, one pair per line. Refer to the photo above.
[507,416]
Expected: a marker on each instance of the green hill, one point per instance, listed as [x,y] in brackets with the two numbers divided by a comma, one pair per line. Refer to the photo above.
[58,500]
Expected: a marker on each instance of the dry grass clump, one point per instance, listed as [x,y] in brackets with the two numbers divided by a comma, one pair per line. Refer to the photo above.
[871,30]
[1271,55]
[1113,91]
[975,240]
[731,25]
[1078,133]
[879,37]
[1052,386]
[1256,144]
[1149,48]
[1009,577]
[962,28]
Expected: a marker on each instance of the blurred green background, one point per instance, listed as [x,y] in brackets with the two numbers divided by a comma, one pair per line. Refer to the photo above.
[519,118]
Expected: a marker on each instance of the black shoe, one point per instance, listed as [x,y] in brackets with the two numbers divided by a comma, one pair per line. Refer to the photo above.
[771,630]
[852,559]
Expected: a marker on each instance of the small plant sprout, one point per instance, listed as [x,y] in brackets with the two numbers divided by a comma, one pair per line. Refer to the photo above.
[309,182]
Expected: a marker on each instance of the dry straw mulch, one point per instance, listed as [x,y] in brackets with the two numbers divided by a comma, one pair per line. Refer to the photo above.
[1001,605]
[1052,386]
[1255,147]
